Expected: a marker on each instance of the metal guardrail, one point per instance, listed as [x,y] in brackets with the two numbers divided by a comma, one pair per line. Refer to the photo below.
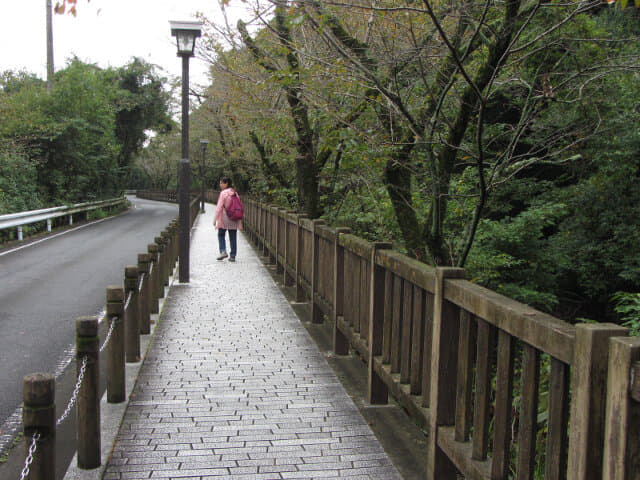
[19,219]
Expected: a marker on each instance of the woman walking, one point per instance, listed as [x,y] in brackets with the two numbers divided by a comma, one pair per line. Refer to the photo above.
[223,223]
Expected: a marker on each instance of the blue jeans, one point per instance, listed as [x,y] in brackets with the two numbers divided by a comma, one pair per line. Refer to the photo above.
[232,241]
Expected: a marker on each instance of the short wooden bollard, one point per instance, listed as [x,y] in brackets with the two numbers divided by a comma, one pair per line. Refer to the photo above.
[143,278]
[115,348]
[39,418]
[88,411]
[152,248]
[166,239]
[162,266]
[132,314]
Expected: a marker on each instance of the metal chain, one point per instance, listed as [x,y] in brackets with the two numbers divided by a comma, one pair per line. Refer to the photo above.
[108,337]
[126,305]
[74,395]
[29,460]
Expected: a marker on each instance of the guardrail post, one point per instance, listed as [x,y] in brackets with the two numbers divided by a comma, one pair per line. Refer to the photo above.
[622,428]
[152,248]
[132,314]
[588,392]
[444,355]
[316,312]
[287,278]
[299,242]
[20,237]
[377,390]
[39,418]
[143,279]
[115,349]
[88,410]
[340,341]
[48,224]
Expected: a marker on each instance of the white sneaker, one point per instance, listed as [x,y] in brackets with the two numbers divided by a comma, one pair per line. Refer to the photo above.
[222,256]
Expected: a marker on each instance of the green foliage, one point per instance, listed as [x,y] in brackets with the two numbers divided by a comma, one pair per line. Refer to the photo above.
[73,134]
[627,305]
[18,186]
[511,255]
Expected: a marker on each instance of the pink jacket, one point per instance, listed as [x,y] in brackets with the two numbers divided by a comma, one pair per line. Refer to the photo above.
[220,219]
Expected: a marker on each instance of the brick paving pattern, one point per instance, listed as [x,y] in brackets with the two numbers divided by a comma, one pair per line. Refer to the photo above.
[234,387]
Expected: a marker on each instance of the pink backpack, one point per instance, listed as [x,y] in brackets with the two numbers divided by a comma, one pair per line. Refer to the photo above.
[235,210]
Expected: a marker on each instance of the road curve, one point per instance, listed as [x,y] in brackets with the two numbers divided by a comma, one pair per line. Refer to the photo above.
[46,285]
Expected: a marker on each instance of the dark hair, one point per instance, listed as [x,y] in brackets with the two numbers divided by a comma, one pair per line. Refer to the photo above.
[226,180]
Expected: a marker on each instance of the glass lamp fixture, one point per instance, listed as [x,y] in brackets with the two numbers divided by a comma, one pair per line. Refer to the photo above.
[186,34]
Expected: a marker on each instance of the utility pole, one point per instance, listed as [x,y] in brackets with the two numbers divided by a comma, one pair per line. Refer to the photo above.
[49,48]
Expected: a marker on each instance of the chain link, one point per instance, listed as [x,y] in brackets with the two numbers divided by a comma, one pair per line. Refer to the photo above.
[29,460]
[126,305]
[74,395]
[108,337]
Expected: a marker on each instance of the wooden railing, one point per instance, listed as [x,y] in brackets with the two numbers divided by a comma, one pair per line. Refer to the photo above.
[502,390]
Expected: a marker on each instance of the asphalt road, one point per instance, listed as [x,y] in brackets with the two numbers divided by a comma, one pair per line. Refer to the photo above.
[46,285]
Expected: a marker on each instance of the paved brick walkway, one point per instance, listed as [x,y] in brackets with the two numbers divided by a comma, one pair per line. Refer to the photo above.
[234,387]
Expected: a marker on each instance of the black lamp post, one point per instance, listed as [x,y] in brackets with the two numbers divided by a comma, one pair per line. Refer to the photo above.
[204,144]
[186,34]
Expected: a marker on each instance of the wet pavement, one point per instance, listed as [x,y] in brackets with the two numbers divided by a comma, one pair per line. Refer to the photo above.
[234,387]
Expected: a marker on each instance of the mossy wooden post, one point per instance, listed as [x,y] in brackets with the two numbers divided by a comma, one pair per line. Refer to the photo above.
[340,341]
[88,411]
[132,314]
[174,230]
[622,422]
[444,356]
[39,417]
[316,312]
[152,248]
[377,391]
[588,384]
[299,242]
[116,349]
[144,283]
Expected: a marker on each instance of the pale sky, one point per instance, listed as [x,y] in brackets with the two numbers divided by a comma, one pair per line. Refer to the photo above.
[106,32]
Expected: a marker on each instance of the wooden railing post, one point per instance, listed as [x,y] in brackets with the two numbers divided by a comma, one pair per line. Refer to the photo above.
[39,418]
[588,384]
[377,391]
[622,427]
[300,233]
[132,314]
[444,355]
[287,278]
[152,248]
[115,348]
[143,279]
[279,213]
[88,410]
[340,341]
[316,312]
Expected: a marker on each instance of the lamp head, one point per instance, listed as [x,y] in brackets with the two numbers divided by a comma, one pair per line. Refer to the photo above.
[186,34]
